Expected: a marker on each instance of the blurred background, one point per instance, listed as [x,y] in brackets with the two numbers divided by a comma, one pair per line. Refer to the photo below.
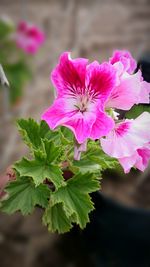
[91,29]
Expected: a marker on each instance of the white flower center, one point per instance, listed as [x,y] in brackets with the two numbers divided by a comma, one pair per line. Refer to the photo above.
[82,103]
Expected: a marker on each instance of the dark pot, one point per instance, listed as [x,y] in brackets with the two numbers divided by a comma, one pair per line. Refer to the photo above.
[117,235]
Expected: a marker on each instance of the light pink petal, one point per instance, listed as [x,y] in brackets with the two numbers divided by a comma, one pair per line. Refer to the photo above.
[128,162]
[139,159]
[100,80]
[118,146]
[120,71]
[127,137]
[140,126]
[81,125]
[58,113]
[125,58]
[131,90]
[102,126]
[144,96]
[69,75]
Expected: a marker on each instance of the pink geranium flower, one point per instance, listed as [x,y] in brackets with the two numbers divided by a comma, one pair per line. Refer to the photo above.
[131,89]
[128,142]
[125,57]
[29,37]
[82,91]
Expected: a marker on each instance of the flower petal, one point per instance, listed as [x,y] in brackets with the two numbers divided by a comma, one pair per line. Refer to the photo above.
[81,125]
[144,96]
[128,162]
[143,158]
[127,137]
[102,126]
[69,75]
[125,58]
[100,80]
[58,113]
[139,159]
[131,90]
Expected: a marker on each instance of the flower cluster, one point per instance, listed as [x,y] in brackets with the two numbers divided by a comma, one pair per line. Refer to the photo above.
[29,37]
[87,96]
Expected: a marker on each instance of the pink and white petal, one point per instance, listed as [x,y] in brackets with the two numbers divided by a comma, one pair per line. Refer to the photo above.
[69,75]
[117,146]
[102,126]
[127,93]
[127,137]
[126,58]
[140,127]
[100,80]
[81,125]
[58,113]
[128,162]
[143,158]
[144,96]
[139,159]
[120,70]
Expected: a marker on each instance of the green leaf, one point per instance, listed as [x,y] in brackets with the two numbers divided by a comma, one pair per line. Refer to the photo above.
[24,196]
[136,110]
[74,201]
[52,152]
[29,130]
[39,170]
[33,133]
[85,183]
[56,219]
[66,135]
[97,156]
[87,165]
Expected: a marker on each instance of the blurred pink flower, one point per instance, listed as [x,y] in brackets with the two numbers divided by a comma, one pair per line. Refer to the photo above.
[125,57]
[82,91]
[29,37]
[128,142]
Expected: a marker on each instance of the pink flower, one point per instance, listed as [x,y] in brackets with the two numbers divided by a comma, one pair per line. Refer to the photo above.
[29,37]
[82,91]
[128,142]
[131,90]
[123,56]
